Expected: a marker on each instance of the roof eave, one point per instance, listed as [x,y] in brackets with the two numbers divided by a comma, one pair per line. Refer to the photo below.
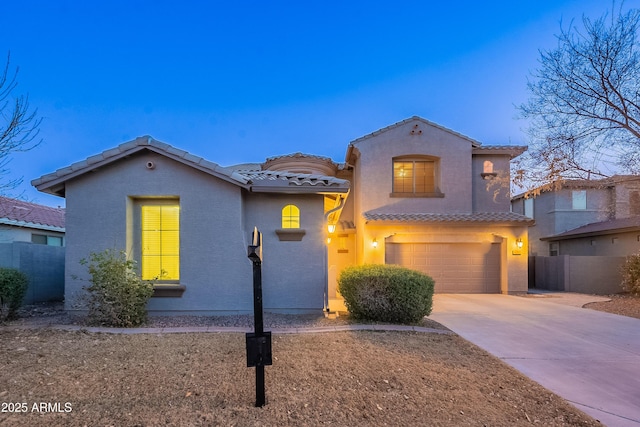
[591,233]
[56,184]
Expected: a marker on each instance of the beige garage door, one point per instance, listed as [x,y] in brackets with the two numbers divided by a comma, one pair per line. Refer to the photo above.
[455,267]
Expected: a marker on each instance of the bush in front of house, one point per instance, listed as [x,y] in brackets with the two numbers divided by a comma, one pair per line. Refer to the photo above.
[13,286]
[386,293]
[117,296]
[631,274]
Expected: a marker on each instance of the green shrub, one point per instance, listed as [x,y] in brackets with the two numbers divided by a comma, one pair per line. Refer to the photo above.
[13,286]
[386,293]
[117,295]
[631,274]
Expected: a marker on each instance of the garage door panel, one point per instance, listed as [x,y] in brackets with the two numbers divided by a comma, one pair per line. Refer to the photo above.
[455,267]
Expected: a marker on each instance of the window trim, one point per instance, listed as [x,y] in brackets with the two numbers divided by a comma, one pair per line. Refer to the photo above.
[161,288]
[436,193]
[582,199]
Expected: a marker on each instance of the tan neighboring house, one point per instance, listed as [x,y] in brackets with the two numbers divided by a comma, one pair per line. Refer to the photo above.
[582,234]
[412,194]
[584,217]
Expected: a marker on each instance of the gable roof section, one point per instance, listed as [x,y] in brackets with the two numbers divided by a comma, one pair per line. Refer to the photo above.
[24,214]
[54,183]
[511,150]
[473,142]
[458,218]
[612,226]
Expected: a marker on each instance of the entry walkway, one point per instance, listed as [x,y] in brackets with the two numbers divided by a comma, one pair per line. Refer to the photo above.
[590,358]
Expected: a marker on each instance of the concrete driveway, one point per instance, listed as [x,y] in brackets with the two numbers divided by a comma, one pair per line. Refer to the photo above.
[590,358]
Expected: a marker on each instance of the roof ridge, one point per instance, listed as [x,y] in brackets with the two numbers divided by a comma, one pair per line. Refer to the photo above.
[423,120]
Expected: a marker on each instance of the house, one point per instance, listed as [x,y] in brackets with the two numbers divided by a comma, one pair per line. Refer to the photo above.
[413,194]
[32,239]
[582,234]
[22,221]
[420,199]
[576,204]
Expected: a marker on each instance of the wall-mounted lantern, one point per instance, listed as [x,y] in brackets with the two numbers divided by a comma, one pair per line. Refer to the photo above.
[374,243]
[517,249]
[331,228]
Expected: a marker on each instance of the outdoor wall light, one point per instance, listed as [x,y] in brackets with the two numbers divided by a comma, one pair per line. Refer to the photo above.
[374,243]
[331,228]
[519,243]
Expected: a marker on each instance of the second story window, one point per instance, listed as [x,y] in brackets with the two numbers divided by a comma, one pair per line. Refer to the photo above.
[579,199]
[415,177]
[528,207]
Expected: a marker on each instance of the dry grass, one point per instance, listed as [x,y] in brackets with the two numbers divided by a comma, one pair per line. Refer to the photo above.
[345,379]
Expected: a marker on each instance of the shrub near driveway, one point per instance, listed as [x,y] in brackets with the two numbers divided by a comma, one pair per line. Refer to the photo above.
[386,293]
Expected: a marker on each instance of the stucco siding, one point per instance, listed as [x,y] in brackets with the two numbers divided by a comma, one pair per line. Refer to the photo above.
[491,194]
[376,169]
[212,246]
[293,272]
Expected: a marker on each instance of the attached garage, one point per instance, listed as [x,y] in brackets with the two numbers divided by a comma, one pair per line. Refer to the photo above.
[455,267]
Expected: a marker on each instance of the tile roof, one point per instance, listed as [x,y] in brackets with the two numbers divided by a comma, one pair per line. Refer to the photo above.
[290,179]
[598,228]
[483,217]
[511,150]
[474,143]
[21,213]
[299,155]
[54,182]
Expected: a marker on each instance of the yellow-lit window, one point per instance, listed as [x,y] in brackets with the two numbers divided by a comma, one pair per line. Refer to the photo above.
[414,176]
[290,217]
[160,242]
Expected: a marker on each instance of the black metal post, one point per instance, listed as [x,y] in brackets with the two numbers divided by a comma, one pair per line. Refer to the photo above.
[258,342]
[258,328]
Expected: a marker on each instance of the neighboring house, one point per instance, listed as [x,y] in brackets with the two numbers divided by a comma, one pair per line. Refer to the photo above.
[598,203]
[413,194]
[22,221]
[582,234]
[32,239]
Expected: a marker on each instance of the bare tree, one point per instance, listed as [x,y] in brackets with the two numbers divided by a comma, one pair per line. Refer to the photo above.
[19,126]
[584,105]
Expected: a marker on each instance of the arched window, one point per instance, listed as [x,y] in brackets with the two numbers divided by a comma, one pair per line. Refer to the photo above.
[487,167]
[290,216]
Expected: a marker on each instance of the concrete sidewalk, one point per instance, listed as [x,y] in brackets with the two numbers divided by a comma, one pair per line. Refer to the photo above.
[590,358]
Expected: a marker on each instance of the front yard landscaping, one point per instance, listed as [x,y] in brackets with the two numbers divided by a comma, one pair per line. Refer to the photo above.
[341,378]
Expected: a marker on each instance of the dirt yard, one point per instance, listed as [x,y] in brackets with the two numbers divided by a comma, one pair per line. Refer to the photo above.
[57,378]
[622,304]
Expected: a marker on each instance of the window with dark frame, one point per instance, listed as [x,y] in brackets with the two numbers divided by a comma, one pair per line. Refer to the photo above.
[414,177]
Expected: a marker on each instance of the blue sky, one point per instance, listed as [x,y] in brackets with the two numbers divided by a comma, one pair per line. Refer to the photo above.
[241,81]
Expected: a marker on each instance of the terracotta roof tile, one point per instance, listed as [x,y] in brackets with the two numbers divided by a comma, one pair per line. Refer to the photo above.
[294,179]
[486,217]
[14,211]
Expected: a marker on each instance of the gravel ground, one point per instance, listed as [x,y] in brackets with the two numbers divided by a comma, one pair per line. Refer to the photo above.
[622,304]
[47,314]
